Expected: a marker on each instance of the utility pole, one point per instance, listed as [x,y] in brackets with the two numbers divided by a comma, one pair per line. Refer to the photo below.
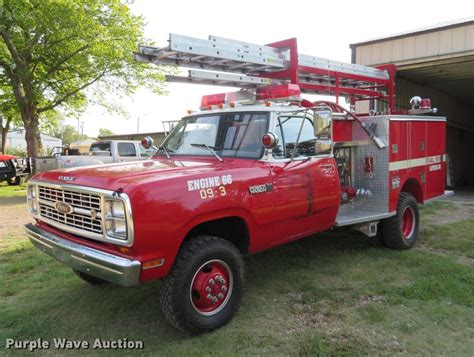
[138,124]
[82,128]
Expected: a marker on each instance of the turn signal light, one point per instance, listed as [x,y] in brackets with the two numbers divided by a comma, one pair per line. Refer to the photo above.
[153,263]
[124,250]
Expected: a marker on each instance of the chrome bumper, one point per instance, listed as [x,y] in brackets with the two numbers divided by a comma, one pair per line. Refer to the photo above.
[109,267]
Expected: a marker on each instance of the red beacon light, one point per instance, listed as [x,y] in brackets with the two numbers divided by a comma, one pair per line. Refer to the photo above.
[212,99]
[269,140]
[278,91]
[286,91]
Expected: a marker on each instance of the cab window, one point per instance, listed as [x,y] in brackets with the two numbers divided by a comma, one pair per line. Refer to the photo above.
[100,148]
[126,149]
[287,130]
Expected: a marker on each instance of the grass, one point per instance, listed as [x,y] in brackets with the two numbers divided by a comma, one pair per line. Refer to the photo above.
[337,293]
[12,191]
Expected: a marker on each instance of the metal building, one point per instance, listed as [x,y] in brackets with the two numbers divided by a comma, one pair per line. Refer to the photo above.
[16,140]
[436,62]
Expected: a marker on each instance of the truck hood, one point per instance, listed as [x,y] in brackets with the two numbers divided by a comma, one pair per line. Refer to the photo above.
[120,175]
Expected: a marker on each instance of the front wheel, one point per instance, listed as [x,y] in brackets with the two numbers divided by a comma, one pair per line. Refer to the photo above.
[16,181]
[204,288]
[401,230]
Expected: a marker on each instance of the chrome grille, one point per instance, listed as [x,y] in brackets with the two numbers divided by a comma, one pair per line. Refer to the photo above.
[86,215]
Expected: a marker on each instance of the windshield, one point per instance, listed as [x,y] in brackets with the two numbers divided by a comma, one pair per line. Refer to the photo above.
[230,135]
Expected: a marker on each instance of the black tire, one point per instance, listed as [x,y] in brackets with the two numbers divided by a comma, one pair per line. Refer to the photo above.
[16,181]
[90,279]
[397,232]
[200,256]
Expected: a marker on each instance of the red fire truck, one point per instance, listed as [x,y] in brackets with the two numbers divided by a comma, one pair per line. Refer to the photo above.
[250,170]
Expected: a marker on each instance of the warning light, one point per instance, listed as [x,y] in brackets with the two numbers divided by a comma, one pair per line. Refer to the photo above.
[269,140]
[212,99]
[278,91]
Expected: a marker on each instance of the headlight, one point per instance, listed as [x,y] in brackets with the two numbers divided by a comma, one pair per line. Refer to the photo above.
[116,229]
[115,221]
[117,209]
[32,191]
[32,199]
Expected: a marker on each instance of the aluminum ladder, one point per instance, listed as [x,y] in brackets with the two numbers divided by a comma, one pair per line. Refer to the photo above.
[232,63]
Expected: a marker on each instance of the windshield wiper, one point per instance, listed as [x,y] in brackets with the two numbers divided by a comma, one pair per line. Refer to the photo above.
[209,148]
[164,149]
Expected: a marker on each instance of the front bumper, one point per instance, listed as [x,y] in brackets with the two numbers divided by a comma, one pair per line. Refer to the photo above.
[109,267]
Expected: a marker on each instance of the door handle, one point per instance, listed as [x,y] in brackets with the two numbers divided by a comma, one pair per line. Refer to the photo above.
[327,166]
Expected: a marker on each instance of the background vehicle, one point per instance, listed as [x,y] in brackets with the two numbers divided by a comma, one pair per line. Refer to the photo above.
[101,152]
[251,170]
[14,170]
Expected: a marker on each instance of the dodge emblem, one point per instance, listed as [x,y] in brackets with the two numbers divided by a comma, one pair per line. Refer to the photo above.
[66,178]
[63,207]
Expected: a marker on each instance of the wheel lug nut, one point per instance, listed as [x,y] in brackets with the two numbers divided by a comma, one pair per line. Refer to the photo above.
[224,288]
[220,296]
[208,289]
[211,282]
[214,300]
[210,297]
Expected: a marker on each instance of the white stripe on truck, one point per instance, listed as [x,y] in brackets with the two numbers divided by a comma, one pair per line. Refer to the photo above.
[422,161]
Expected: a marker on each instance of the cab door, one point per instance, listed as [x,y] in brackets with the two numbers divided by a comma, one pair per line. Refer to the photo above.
[298,180]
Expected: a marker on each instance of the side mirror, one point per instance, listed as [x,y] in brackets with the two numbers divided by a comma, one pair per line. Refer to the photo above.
[322,124]
[147,142]
[323,131]
[269,140]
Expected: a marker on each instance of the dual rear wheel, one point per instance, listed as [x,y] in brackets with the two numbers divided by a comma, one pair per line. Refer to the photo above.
[401,230]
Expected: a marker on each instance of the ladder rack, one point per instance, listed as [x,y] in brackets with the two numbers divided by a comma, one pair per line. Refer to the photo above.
[226,62]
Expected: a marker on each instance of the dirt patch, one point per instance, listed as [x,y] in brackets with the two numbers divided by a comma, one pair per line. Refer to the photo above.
[462,259]
[13,215]
[458,212]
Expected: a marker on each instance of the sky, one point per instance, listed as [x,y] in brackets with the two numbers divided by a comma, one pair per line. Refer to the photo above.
[323,29]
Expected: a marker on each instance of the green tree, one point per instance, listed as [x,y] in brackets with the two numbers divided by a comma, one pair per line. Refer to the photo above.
[105,132]
[52,51]
[8,116]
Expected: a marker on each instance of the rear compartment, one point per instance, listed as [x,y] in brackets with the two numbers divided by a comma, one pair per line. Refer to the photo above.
[371,178]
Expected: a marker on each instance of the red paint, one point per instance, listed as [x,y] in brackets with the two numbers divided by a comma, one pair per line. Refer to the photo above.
[342,130]
[416,140]
[7,157]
